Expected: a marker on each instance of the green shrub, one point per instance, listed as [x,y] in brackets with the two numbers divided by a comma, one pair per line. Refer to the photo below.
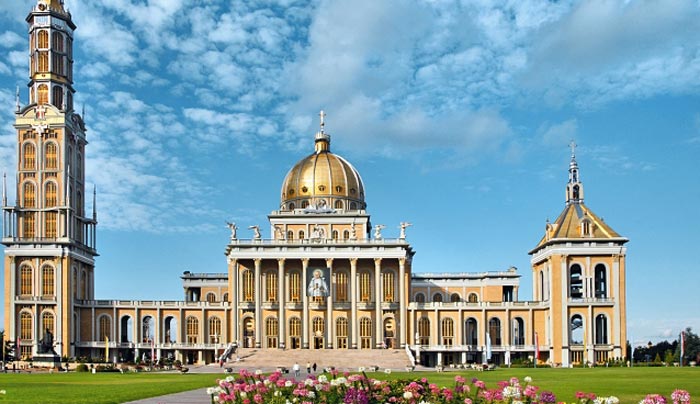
[81,368]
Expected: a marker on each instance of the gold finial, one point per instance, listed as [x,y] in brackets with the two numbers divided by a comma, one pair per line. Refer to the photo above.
[323,120]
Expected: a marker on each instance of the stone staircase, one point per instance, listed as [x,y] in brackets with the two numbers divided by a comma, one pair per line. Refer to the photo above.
[341,359]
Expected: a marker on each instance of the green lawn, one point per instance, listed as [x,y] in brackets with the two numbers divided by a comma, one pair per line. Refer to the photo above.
[630,385]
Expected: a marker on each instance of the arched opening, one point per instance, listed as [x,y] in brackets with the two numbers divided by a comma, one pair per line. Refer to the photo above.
[341,333]
[424,331]
[601,284]
[192,330]
[170,336]
[473,298]
[341,286]
[447,332]
[126,329]
[210,297]
[542,291]
[318,329]
[437,297]
[295,287]
[471,332]
[388,287]
[575,282]
[420,298]
[455,298]
[365,333]
[248,332]
[576,330]
[518,331]
[271,331]
[295,333]
[148,329]
[495,331]
[389,333]
[104,328]
[248,286]
[601,329]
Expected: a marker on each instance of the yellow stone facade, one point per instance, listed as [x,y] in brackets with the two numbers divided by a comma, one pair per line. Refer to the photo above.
[325,278]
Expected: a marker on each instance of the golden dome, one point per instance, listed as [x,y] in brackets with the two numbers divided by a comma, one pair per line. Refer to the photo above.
[323,181]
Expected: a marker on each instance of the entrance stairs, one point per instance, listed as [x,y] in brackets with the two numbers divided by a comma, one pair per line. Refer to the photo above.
[341,359]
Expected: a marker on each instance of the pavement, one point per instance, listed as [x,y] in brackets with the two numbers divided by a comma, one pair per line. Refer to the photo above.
[198,396]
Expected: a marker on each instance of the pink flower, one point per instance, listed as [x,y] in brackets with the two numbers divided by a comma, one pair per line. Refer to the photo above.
[460,379]
[258,398]
[680,397]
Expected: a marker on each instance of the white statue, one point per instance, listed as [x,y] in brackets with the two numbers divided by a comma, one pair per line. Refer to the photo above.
[353,232]
[378,231]
[318,232]
[256,231]
[278,232]
[403,229]
[233,228]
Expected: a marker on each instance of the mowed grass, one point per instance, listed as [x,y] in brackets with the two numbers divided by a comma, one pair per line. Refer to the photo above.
[630,385]
[99,388]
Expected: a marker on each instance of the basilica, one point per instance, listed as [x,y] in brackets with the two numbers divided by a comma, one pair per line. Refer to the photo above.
[320,277]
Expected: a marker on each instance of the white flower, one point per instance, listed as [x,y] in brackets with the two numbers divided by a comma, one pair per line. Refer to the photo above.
[309,382]
[277,393]
[323,378]
[424,402]
[612,400]
[288,383]
[511,392]
[229,379]
[258,372]
[528,379]
[244,394]
[407,395]
[267,382]
[210,391]
[387,371]
[311,394]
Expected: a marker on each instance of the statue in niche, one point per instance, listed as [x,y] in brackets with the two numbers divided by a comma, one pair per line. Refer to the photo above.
[46,344]
[278,232]
[318,232]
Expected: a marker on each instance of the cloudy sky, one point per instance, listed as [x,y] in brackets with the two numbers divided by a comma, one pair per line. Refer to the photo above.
[458,115]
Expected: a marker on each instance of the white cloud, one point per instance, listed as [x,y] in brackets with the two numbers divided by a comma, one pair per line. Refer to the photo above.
[10,39]
[559,134]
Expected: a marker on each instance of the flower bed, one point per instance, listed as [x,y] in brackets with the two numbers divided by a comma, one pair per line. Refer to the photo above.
[256,388]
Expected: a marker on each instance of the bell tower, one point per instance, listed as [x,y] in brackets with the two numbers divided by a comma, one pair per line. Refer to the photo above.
[50,242]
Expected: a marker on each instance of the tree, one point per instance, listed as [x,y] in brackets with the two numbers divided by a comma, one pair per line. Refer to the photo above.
[692,347]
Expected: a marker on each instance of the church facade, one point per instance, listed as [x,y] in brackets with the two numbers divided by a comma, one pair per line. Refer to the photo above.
[324,278]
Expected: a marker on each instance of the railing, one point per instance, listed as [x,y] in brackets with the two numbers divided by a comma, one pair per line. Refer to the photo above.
[477,305]
[315,241]
[150,303]
[586,300]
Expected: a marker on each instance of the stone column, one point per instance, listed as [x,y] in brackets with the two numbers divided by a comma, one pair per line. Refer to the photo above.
[402,327]
[258,304]
[305,304]
[353,303]
[234,300]
[281,299]
[329,306]
[378,301]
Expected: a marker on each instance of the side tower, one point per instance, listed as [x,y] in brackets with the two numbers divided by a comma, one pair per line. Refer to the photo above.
[579,271]
[50,243]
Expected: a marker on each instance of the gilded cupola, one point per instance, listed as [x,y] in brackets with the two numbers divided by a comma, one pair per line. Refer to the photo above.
[323,182]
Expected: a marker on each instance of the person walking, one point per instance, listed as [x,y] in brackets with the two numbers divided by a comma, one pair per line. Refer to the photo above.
[308,367]
[314,367]
[296,368]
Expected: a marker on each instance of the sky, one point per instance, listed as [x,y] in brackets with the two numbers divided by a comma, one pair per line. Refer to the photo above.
[458,116]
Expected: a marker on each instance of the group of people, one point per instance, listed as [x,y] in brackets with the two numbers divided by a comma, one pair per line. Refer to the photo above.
[309,367]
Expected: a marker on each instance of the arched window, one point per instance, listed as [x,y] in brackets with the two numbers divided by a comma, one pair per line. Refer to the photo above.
[473,298]
[437,297]
[601,284]
[365,287]
[43,89]
[576,330]
[290,235]
[225,298]
[50,194]
[104,328]
[341,333]
[334,234]
[57,90]
[339,204]
[542,292]
[301,234]
[51,156]
[292,206]
[294,287]
[47,280]
[341,286]
[43,39]
[83,285]
[248,286]
[318,328]
[575,282]
[518,331]
[148,329]
[448,331]
[271,287]
[26,281]
[424,331]
[214,330]
[210,297]
[47,322]
[25,326]
[389,287]
[601,329]
[472,332]
[43,57]
[304,204]
[192,330]
[455,298]
[28,195]
[295,332]
[420,298]
[57,42]
[28,156]
[346,234]
[271,331]
[365,333]
[495,331]
[353,206]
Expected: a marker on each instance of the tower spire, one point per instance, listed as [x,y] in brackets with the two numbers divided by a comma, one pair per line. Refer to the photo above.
[17,107]
[574,188]
[4,189]
[94,202]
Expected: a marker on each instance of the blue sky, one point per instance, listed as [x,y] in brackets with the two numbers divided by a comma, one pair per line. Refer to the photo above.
[457,115]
